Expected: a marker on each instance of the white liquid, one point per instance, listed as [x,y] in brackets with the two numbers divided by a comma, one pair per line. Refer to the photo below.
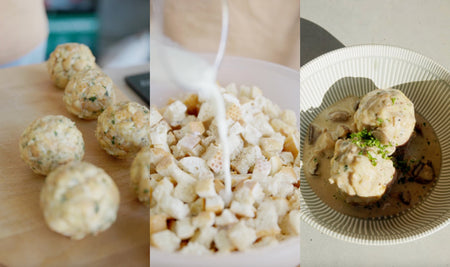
[172,63]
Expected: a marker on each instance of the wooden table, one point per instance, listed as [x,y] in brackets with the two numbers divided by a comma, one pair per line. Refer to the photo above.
[26,93]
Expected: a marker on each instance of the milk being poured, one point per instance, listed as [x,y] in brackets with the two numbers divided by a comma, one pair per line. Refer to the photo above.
[170,62]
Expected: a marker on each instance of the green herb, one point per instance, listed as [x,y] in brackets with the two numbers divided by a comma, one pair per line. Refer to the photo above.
[365,139]
[113,122]
[106,93]
[380,121]
[145,111]
[113,140]
[56,134]
[393,100]
[346,168]
[92,99]
[146,191]
[315,159]
[372,159]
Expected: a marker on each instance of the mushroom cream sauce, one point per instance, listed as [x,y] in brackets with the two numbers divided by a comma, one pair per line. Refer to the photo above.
[417,163]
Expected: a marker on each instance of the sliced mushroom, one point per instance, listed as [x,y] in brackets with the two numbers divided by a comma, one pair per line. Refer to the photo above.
[313,133]
[341,131]
[356,106]
[417,169]
[426,174]
[405,197]
[418,130]
[339,116]
[312,166]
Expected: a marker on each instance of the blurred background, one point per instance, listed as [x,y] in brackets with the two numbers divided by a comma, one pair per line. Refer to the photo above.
[117,31]
[265,30]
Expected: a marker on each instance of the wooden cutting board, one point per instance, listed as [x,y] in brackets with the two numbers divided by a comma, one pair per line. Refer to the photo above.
[26,93]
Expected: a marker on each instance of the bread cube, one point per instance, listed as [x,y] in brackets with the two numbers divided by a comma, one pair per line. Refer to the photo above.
[214,204]
[204,219]
[155,116]
[261,169]
[205,236]
[289,117]
[194,127]
[165,241]
[222,242]
[292,143]
[226,218]
[183,228]
[158,223]
[251,134]
[261,122]
[158,135]
[241,236]
[213,158]
[266,221]
[242,209]
[195,248]
[205,188]
[246,159]
[175,113]
[207,112]
[291,223]
[192,104]
[185,192]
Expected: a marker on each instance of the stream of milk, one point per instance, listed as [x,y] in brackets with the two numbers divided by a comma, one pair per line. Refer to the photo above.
[169,61]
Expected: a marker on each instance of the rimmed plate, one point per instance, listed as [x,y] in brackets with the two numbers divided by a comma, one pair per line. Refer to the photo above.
[281,85]
[355,71]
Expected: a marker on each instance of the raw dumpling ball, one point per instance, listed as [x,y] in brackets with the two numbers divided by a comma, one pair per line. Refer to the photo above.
[389,113]
[89,93]
[68,59]
[49,142]
[79,199]
[123,129]
[361,174]
[140,175]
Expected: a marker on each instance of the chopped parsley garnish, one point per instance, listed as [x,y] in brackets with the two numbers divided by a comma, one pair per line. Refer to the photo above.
[393,100]
[113,140]
[113,122]
[346,168]
[56,134]
[92,99]
[372,159]
[106,93]
[380,121]
[365,139]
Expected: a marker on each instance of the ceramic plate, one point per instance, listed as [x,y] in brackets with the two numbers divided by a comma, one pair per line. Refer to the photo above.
[356,71]
[281,85]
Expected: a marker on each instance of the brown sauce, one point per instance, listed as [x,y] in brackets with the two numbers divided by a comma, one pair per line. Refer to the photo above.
[417,166]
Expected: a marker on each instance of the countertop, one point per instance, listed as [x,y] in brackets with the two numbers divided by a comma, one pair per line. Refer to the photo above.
[418,25]
[25,239]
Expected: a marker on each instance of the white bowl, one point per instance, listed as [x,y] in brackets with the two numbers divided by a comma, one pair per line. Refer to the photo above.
[281,85]
[356,71]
